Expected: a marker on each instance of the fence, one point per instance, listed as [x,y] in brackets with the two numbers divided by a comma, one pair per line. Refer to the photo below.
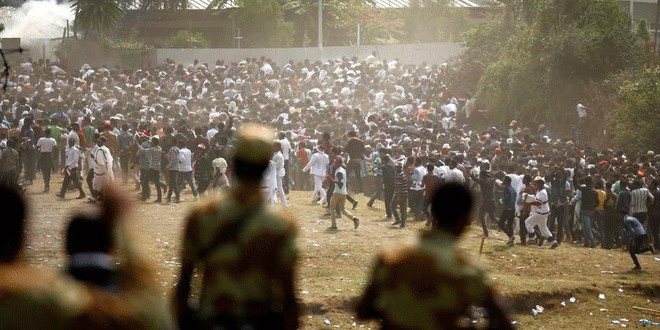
[432,53]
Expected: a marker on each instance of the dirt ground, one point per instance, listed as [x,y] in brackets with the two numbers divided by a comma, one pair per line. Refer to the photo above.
[334,266]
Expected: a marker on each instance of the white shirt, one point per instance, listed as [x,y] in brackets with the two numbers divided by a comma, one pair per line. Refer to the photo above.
[455,175]
[279,164]
[318,164]
[581,110]
[185,160]
[73,134]
[542,197]
[46,144]
[72,157]
[211,133]
[102,160]
[340,190]
[286,148]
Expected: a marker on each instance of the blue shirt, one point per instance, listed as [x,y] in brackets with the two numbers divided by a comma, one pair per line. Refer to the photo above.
[509,198]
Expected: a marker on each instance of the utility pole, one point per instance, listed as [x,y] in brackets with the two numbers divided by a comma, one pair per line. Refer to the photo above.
[238,37]
[632,19]
[655,31]
[320,30]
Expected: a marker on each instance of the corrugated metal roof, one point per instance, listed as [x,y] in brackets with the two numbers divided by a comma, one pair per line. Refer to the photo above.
[384,4]
[394,4]
[190,4]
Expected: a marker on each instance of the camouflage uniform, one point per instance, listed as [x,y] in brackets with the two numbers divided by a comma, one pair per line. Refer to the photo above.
[248,274]
[425,286]
[33,299]
[237,276]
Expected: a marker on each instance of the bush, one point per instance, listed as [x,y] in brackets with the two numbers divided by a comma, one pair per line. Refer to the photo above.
[187,39]
[637,123]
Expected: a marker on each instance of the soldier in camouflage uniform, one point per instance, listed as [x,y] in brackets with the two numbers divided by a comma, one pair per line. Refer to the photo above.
[430,285]
[245,251]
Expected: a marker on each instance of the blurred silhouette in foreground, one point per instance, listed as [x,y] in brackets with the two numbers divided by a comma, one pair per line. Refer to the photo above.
[120,291]
[431,285]
[29,297]
[244,251]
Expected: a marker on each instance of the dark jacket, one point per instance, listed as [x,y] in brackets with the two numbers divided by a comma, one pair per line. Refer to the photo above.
[388,176]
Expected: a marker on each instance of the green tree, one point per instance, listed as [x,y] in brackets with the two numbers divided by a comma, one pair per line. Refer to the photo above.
[534,64]
[96,17]
[261,22]
[637,123]
[642,32]
[187,39]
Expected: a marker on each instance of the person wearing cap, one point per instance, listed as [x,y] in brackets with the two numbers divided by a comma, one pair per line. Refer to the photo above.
[248,250]
[431,284]
[539,215]
[111,139]
[338,199]
[317,167]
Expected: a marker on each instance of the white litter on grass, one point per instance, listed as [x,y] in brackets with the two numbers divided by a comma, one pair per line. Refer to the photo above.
[601,296]
[562,304]
[615,322]
[326,321]
[603,309]
[620,289]
[572,300]
[540,308]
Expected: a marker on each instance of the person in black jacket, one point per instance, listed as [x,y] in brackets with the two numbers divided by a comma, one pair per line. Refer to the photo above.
[389,172]
[589,199]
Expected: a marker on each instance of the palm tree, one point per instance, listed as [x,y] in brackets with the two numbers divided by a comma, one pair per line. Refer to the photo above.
[96,16]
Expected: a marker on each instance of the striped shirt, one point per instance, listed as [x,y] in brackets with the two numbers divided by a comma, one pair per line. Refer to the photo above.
[153,156]
[401,185]
[173,156]
[638,200]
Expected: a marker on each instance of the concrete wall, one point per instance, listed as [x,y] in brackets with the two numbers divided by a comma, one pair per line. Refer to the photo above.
[432,53]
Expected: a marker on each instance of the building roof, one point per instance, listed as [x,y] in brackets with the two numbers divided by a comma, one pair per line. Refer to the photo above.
[384,4]
[394,4]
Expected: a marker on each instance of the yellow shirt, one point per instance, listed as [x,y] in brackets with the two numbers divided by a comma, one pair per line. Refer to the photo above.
[601,200]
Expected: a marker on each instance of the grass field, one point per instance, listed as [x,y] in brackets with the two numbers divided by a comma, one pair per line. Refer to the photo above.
[334,266]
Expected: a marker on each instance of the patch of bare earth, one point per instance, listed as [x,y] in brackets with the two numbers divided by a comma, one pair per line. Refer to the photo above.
[334,266]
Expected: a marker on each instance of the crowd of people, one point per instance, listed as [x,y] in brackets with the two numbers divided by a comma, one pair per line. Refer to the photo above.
[378,127]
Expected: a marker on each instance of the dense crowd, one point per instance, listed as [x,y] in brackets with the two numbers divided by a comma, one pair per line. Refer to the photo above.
[386,129]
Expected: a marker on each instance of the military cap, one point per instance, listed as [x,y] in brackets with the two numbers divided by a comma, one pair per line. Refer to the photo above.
[254,144]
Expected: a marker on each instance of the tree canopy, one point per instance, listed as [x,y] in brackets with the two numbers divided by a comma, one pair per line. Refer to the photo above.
[535,63]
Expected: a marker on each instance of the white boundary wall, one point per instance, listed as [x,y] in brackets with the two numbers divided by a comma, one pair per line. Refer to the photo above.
[431,53]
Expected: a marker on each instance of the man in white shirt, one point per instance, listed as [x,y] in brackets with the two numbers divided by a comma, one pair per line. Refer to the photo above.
[45,145]
[454,174]
[540,213]
[416,194]
[185,168]
[102,166]
[71,170]
[338,199]
[317,167]
[279,172]
[286,151]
